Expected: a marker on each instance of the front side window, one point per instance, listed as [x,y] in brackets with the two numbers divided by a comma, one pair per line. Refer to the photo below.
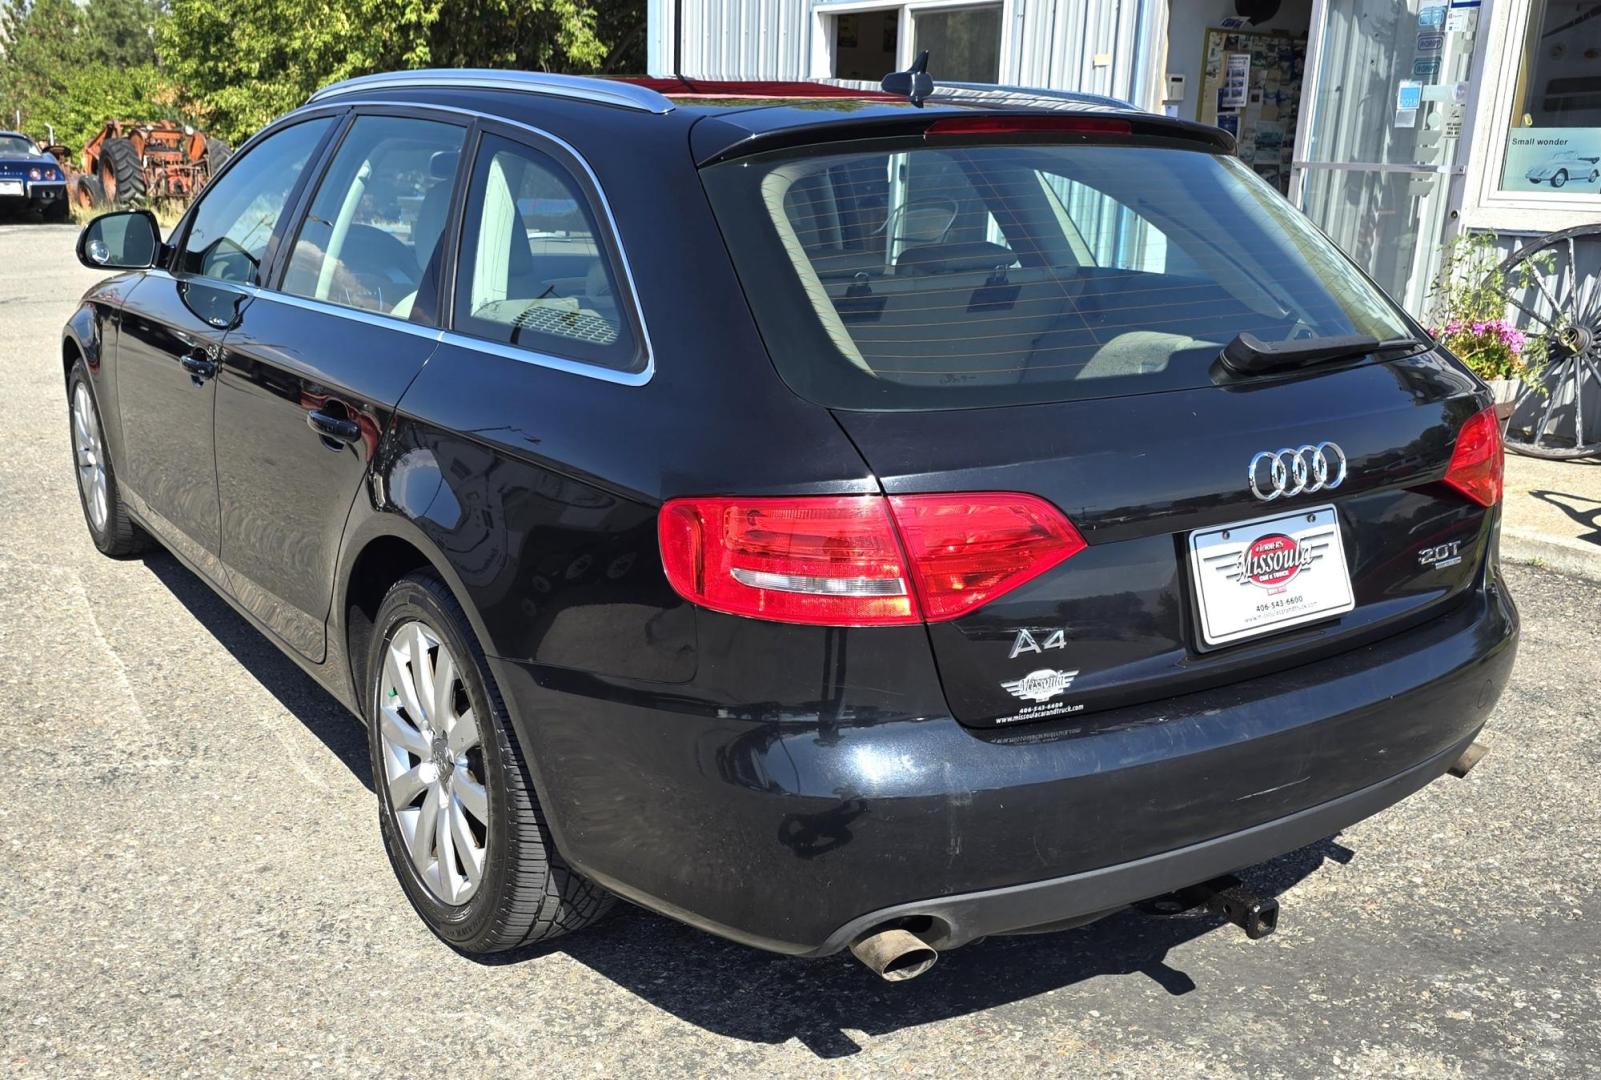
[237,215]
[533,270]
[933,277]
[1554,143]
[371,237]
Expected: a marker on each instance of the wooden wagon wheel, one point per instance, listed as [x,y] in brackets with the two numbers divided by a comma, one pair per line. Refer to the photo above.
[1558,300]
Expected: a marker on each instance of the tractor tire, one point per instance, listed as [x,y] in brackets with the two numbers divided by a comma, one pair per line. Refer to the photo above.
[87,193]
[122,173]
[217,155]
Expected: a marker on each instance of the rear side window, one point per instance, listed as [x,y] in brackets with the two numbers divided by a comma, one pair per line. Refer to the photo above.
[237,215]
[931,277]
[371,238]
[534,271]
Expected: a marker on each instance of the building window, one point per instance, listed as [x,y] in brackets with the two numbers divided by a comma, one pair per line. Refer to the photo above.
[964,45]
[1554,142]
[864,44]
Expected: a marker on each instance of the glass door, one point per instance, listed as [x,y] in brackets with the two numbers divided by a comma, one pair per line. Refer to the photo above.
[1385,94]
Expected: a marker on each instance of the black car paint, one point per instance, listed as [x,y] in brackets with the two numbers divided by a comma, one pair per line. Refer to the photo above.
[772,783]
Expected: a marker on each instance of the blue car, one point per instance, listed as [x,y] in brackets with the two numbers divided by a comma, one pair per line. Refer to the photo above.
[31,179]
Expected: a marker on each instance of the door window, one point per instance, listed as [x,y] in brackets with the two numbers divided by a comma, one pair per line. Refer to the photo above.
[534,271]
[371,238]
[237,215]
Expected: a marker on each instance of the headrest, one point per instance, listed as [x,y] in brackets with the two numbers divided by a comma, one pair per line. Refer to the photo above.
[442,165]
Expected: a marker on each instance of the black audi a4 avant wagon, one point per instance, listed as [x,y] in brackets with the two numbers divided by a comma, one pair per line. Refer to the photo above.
[827,518]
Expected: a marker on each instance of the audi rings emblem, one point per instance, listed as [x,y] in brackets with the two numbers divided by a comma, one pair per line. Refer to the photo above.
[1301,471]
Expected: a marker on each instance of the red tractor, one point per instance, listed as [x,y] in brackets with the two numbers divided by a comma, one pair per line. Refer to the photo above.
[128,163]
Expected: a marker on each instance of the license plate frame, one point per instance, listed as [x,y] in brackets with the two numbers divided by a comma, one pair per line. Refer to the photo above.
[1296,568]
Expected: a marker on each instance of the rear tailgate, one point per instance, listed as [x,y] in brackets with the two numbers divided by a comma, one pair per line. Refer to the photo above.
[1139,476]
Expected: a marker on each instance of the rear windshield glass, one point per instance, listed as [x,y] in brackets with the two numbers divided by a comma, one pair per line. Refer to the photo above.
[890,277]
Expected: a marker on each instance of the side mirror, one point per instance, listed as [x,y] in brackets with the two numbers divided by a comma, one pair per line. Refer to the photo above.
[123,240]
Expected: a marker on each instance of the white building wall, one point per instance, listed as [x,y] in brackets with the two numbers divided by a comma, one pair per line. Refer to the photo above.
[1085,45]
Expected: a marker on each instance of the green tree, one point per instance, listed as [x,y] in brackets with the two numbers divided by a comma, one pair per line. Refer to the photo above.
[71,68]
[242,62]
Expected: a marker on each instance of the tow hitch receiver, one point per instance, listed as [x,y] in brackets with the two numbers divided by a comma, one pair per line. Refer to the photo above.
[1229,897]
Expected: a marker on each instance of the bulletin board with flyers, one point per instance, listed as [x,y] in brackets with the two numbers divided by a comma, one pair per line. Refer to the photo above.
[1251,88]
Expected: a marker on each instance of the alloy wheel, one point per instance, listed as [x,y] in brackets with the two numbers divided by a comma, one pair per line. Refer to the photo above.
[90,454]
[433,762]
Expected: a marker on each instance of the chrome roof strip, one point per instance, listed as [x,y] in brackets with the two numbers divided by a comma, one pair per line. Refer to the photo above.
[579,87]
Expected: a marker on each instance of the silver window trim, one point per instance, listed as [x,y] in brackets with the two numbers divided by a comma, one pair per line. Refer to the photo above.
[456,338]
[603,91]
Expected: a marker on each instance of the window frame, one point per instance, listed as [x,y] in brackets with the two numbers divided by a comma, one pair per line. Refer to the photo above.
[1487,206]
[306,194]
[179,239]
[588,186]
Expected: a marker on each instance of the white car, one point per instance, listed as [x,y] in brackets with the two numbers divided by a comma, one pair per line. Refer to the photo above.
[1566,165]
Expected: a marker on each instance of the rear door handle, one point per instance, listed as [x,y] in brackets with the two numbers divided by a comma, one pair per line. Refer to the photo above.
[199,365]
[333,427]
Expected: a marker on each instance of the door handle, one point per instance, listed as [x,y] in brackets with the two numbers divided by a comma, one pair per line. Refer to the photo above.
[199,365]
[333,427]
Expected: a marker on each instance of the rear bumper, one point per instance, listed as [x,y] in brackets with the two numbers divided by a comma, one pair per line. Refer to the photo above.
[794,836]
[39,194]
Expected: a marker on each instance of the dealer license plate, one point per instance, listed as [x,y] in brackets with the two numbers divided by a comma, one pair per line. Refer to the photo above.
[11,187]
[1269,574]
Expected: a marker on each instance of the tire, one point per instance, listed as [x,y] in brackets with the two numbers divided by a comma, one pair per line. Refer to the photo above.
[1560,178]
[87,192]
[217,154]
[112,530]
[122,173]
[525,892]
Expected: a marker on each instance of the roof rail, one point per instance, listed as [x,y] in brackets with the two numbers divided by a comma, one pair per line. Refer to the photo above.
[601,91]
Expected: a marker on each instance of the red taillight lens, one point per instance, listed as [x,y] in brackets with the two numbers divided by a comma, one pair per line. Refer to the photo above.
[842,561]
[966,126]
[966,550]
[1477,462]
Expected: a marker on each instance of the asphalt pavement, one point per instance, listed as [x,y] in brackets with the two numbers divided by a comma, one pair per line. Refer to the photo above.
[192,882]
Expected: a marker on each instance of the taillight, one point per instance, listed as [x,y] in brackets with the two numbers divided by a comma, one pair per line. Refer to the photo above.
[1476,463]
[859,560]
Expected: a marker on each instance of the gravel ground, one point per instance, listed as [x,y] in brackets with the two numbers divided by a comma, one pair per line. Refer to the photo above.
[193,884]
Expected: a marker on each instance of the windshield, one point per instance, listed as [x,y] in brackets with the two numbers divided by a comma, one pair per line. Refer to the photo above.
[17,146]
[928,277]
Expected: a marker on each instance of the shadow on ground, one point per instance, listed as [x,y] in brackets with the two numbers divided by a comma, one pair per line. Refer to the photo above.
[759,997]
[1585,511]
[280,676]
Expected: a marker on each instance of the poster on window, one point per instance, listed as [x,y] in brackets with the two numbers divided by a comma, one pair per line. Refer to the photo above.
[1553,159]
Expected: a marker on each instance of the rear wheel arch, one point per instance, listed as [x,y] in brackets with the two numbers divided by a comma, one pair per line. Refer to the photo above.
[384,551]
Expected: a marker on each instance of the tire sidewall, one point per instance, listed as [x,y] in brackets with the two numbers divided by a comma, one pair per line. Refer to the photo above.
[457,925]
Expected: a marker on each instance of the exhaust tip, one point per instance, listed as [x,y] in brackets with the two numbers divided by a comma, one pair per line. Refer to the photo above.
[894,955]
[1470,757]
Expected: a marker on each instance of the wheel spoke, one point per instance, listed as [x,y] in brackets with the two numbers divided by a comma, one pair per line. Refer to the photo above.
[463,733]
[444,689]
[404,789]
[422,674]
[472,795]
[466,845]
[1550,403]
[445,846]
[397,677]
[422,840]
[402,734]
